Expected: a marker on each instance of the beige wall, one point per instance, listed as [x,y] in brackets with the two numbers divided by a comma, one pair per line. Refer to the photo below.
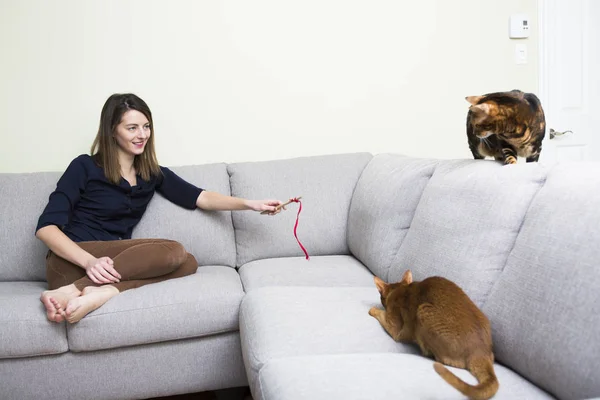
[254,80]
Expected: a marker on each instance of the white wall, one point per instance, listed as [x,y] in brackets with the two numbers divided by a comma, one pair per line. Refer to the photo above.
[254,80]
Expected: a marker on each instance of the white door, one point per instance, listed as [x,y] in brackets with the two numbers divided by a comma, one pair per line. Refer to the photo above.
[570,79]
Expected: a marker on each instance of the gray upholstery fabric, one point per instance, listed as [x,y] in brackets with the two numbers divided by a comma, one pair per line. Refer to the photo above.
[545,308]
[208,235]
[375,377]
[137,372]
[24,328]
[22,200]
[383,206]
[297,271]
[521,240]
[203,304]
[325,183]
[467,221]
[280,322]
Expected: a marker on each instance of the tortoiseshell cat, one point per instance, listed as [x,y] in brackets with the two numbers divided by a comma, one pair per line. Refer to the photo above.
[505,125]
[437,315]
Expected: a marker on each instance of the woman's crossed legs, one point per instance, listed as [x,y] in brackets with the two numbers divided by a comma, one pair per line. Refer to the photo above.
[72,295]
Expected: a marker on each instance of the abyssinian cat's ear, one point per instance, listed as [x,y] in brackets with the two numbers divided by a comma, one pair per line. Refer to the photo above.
[407,277]
[473,99]
[381,285]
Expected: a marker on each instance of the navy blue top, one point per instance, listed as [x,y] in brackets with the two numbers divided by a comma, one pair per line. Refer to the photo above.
[87,206]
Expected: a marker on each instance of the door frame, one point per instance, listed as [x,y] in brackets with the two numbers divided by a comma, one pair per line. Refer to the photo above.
[546,38]
[542,7]
[543,58]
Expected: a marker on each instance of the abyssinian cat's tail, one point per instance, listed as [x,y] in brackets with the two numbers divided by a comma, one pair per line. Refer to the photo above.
[482,369]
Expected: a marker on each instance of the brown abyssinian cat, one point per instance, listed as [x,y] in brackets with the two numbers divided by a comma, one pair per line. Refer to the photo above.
[438,316]
[505,125]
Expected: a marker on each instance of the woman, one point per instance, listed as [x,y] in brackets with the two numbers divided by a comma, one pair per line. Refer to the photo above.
[89,218]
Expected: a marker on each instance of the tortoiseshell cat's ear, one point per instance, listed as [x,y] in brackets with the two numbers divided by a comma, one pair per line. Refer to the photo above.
[473,99]
[481,112]
[381,285]
[483,108]
[407,277]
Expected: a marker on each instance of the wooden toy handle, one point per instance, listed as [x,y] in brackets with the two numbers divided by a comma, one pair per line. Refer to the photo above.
[295,199]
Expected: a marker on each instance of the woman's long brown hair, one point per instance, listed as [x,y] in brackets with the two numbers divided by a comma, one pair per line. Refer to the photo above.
[105,147]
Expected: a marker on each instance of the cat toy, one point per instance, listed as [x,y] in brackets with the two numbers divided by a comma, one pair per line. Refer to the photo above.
[293,200]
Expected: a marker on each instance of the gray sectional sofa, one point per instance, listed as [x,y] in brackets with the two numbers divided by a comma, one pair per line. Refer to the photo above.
[523,241]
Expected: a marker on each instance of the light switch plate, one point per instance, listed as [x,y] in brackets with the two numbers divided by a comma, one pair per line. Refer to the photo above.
[521,53]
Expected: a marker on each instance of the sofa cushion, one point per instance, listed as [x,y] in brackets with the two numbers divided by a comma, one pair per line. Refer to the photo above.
[280,322]
[325,183]
[296,271]
[208,235]
[545,307]
[202,304]
[22,200]
[467,222]
[383,206]
[375,377]
[24,329]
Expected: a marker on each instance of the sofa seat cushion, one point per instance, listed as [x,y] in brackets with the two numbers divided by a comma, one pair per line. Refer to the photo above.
[376,377]
[281,322]
[202,304]
[297,271]
[24,329]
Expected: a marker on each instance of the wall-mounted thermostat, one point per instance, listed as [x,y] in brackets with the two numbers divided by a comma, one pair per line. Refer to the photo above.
[518,26]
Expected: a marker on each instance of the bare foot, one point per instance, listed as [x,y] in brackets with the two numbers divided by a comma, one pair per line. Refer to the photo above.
[56,300]
[59,310]
[91,298]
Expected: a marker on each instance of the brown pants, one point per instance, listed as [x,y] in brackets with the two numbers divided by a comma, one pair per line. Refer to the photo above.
[139,261]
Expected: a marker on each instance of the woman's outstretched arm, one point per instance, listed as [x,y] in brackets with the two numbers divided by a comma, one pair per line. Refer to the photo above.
[214,201]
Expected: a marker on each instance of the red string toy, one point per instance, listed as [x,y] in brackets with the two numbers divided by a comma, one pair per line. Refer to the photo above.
[293,200]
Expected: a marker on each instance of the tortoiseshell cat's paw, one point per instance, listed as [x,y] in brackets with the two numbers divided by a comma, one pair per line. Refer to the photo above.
[510,160]
[374,311]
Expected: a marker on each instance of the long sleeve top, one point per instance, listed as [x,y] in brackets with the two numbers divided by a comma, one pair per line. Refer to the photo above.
[86,206]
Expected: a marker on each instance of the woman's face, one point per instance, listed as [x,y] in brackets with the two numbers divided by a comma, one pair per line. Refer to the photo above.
[133,132]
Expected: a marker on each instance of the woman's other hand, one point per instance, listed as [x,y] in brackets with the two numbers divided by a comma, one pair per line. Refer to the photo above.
[101,271]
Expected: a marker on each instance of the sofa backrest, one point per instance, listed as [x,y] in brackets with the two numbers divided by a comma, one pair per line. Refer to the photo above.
[326,184]
[466,223]
[545,306]
[22,199]
[383,207]
[455,218]
[208,235]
